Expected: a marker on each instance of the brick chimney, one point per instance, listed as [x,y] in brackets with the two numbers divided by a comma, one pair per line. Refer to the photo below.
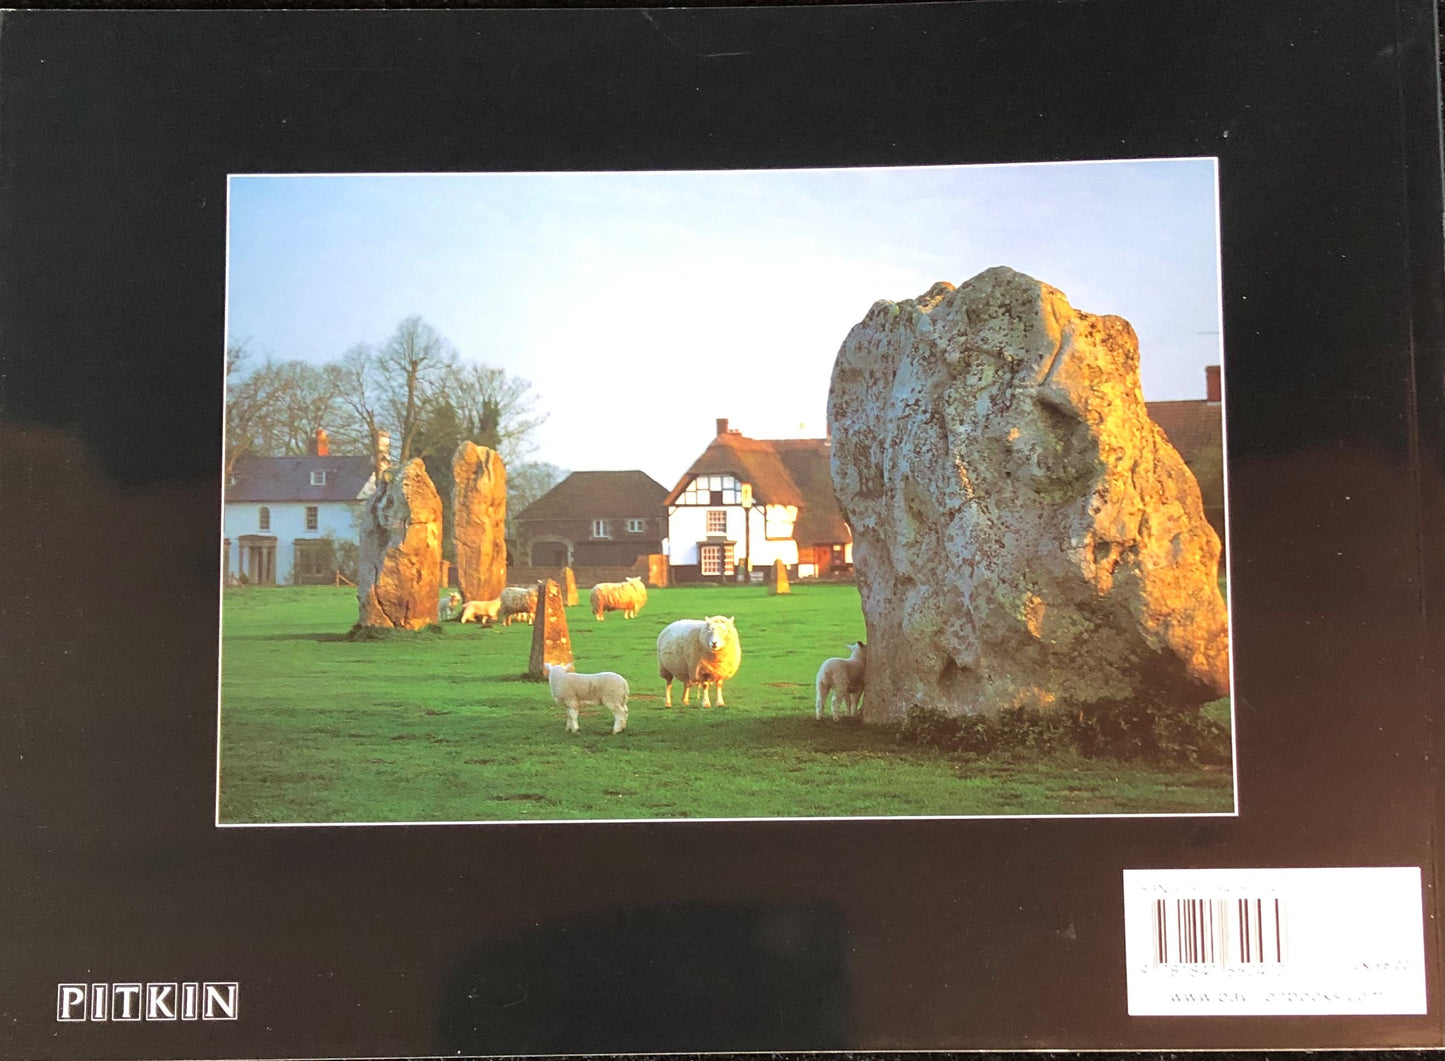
[319,446]
[722,426]
[1213,391]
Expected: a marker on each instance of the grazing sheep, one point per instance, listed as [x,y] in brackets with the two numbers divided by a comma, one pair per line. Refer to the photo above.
[700,652]
[480,611]
[842,677]
[518,602]
[625,597]
[572,690]
[451,605]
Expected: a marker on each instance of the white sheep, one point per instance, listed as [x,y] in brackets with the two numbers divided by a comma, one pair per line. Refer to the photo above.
[480,611]
[518,602]
[842,677]
[700,652]
[572,690]
[450,606]
[626,597]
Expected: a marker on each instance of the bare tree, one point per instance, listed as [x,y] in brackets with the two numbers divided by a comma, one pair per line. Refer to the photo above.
[252,400]
[527,482]
[491,403]
[358,374]
[412,368]
[309,398]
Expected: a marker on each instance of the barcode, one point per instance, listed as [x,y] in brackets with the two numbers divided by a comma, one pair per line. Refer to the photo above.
[1220,932]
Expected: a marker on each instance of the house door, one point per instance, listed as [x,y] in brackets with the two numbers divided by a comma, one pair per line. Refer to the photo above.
[258,559]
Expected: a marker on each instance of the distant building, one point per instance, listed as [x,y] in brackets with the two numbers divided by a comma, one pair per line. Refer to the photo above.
[592,519]
[282,515]
[747,502]
[1196,429]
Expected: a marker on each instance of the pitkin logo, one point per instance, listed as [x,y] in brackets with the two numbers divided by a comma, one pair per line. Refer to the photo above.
[210,1000]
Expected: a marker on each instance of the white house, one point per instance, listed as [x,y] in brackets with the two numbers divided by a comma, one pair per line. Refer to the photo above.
[747,502]
[282,514]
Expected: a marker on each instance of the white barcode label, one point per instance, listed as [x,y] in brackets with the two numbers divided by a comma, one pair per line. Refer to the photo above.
[1219,931]
[1219,942]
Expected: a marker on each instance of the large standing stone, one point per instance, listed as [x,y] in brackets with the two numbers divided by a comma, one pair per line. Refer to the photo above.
[778,579]
[479,521]
[401,551]
[550,642]
[569,587]
[1023,533]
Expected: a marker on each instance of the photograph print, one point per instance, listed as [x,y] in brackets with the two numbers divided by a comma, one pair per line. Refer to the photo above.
[749,494]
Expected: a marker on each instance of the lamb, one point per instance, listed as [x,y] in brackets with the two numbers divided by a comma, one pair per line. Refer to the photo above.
[625,597]
[842,677]
[572,690]
[451,604]
[518,602]
[480,611]
[700,652]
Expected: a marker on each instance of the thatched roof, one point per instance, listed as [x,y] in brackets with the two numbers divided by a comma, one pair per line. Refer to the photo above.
[782,471]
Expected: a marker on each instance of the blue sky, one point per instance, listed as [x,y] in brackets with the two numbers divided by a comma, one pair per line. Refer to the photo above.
[644,305]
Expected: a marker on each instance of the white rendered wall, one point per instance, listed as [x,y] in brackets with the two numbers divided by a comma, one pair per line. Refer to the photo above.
[687,525]
[288,522]
[765,552]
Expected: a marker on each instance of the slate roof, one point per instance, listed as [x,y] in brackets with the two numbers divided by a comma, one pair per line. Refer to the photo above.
[782,471]
[289,478]
[1191,426]
[600,495]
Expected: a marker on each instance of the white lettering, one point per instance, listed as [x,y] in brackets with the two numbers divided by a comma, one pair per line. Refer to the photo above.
[219,1001]
[125,1001]
[67,998]
[192,1000]
[160,1001]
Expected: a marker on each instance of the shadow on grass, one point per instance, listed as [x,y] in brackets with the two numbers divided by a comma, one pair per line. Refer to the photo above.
[289,637]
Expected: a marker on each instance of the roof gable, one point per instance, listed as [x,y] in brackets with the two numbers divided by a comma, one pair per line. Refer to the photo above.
[752,460]
[782,471]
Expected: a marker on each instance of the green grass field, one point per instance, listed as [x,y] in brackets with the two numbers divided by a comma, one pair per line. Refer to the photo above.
[442,725]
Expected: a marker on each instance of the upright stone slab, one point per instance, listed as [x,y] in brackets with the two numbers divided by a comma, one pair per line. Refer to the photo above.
[569,591]
[399,579]
[1024,534]
[778,582]
[479,521]
[550,642]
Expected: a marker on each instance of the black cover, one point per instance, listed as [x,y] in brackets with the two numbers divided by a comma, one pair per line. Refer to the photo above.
[117,131]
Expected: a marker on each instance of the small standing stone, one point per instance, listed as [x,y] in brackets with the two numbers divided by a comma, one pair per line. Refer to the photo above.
[778,584]
[550,641]
[569,581]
